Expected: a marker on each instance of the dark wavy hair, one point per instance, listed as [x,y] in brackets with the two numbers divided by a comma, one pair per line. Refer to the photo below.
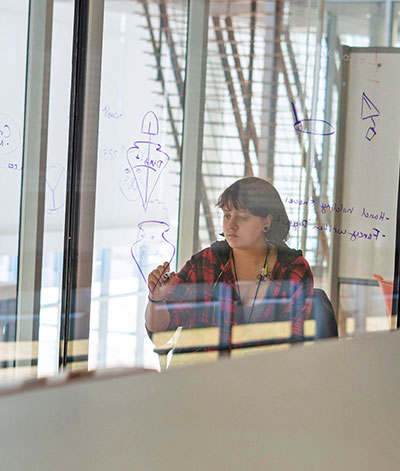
[258,197]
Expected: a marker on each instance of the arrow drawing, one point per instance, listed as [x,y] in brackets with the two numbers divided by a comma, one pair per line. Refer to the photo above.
[146,159]
[368,109]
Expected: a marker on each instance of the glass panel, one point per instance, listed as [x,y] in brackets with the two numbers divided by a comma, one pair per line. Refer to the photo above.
[396,24]
[13,34]
[275,109]
[140,128]
[37,355]
[218,325]
[359,24]
[57,151]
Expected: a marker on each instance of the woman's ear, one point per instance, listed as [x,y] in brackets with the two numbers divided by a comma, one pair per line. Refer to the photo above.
[267,221]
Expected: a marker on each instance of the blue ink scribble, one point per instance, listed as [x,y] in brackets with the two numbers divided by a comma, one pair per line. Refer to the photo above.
[369,111]
[353,234]
[15,166]
[109,114]
[9,135]
[55,182]
[323,129]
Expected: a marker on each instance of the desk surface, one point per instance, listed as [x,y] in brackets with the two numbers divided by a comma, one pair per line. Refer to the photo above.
[329,406]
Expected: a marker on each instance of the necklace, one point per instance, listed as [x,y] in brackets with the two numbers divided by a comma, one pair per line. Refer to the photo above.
[262,278]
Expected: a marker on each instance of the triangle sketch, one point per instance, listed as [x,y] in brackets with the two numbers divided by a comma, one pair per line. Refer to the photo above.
[368,109]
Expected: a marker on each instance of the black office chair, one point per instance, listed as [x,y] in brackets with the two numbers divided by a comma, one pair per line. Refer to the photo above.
[323,314]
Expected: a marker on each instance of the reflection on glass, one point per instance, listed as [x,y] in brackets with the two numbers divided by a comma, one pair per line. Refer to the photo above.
[40,355]
[272,110]
[56,177]
[13,27]
[227,332]
[251,277]
[138,172]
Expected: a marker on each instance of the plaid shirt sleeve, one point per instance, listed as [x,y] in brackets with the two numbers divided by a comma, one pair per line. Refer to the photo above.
[301,296]
[192,291]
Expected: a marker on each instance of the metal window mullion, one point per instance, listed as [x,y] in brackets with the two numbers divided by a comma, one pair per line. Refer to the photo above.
[388,23]
[34,173]
[193,121]
[326,146]
[273,11]
[396,281]
[81,177]
[339,176]
[311,154]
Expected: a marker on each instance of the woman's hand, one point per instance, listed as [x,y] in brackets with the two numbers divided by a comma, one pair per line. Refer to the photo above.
[159,282]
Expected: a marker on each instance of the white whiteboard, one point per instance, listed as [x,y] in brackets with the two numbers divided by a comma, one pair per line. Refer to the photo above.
[368,162]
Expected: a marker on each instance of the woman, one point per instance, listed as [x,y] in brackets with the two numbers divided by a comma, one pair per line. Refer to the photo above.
[253,273]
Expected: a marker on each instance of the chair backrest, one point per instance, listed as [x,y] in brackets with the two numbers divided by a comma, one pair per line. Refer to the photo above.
[324,315]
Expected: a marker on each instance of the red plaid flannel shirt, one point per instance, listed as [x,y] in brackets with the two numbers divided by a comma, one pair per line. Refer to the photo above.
[204,293]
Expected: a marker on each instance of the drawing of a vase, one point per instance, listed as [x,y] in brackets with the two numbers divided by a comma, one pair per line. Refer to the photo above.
[152,247]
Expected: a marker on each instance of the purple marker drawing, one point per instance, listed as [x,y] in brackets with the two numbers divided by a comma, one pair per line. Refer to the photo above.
[9,135]
[5,133]
[296,119]
[152,247]
[110,114]
[146,159]
[371,133]
[369,111]
[352,233]
[55,182]
[326,130]
[13,166]
[377,216]
[127,184]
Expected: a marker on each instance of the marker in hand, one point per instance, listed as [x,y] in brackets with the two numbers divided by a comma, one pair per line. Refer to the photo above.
[165,278]
[158,282]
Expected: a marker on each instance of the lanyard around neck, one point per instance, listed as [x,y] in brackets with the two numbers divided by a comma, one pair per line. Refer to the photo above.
[262,277]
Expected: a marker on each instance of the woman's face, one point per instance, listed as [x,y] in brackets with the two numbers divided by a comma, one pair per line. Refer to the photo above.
[244,230]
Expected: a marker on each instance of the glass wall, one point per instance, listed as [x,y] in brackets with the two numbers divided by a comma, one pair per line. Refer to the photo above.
[56,177]
[14,20]
[33,351]
[180,99]
[277,106]
[140,139]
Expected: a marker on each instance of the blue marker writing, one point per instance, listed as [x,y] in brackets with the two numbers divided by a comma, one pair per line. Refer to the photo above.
[298,125]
